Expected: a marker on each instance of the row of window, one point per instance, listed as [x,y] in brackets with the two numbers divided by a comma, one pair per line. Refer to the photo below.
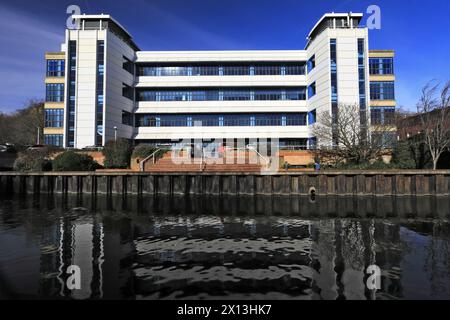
[152,71]
[334,89]
[54,118]
[99,92]
[56,68]
[53,140]
[382,91]
[223,95]
[54,92]
[71,105]
[362,81]
[221,120]
[379,66]
[382,115]
[266,143]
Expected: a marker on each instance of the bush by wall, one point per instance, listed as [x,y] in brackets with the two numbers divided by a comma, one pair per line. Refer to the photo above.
[404,155]
[71,161]
[117,154]
[33,160]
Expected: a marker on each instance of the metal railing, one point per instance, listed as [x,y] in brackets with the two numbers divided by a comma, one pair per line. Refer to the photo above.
[249,70]
[267,160]
[297,120]
[152,156]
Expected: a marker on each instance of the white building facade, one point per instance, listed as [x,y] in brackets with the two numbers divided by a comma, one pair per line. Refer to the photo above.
[105,87]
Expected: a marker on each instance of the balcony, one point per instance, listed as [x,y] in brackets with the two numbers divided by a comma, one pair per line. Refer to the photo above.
[221,106]
[176,133]
[221,81]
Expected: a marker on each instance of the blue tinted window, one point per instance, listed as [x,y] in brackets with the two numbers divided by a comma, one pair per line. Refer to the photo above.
[53,139]
[311,63]
[312,117]
[99,91]
[381,66]
[71,105]
[219,120]
[54,92]
[222,70]
[334,87]
[362,80]
[382,115]
[55,68]
[312,90]
[223,95]
[54,118]
[382,91]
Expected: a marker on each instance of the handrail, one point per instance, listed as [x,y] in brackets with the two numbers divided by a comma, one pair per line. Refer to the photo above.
[268,160]
[153,155]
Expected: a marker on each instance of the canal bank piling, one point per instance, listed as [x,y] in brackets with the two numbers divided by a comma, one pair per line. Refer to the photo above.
[401,183]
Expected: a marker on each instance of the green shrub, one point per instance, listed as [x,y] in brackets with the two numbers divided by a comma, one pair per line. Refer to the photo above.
[404,155]
[117,154]
[71,161]
[33,160]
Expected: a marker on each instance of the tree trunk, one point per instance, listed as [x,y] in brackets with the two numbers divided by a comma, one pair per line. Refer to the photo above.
[435,163]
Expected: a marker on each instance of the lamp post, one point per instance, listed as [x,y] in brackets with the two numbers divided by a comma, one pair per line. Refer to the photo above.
[38,135]
[115,133]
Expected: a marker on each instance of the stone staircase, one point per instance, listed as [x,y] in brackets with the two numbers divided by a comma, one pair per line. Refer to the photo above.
[237,162]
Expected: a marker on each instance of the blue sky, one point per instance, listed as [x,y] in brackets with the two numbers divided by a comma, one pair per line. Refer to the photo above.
[417,30]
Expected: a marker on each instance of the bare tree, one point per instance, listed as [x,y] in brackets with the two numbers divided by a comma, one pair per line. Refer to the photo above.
[347,137]
[434,110]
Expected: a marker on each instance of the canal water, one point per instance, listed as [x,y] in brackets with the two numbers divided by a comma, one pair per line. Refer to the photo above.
[224,248]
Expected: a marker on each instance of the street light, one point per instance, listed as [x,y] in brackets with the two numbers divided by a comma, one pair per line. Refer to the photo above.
[115,133]
[38,135]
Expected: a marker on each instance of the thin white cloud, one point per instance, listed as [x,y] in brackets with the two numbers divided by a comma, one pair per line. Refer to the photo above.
[21,29]
[190,30]
[24,40]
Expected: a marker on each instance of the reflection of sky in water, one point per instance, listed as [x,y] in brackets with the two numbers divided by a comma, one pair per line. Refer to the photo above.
[233,248]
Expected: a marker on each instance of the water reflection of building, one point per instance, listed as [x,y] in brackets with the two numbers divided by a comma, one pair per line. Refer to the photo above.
[334,253]
[204,248]
[100,246]
[73,242]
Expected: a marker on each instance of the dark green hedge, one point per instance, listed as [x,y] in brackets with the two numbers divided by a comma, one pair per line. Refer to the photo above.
[71,161]
[117,154]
